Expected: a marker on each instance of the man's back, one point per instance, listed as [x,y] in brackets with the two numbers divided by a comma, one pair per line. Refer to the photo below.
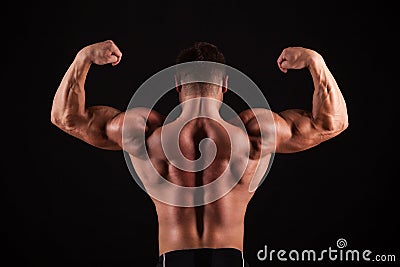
[201,198]
[218,224]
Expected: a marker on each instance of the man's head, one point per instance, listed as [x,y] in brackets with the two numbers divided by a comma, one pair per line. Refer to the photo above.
[201,51]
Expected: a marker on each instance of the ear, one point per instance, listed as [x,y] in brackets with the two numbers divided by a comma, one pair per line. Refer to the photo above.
[225,84]
[177,86]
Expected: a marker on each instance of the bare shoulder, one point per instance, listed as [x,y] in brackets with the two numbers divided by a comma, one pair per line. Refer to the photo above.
[253,117]
[153,118]
[242,118]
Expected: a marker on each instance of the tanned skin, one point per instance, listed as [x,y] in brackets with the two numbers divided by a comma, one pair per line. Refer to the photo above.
[219,224]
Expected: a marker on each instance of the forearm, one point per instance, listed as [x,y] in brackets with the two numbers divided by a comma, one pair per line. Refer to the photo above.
[329,112]
[69,100]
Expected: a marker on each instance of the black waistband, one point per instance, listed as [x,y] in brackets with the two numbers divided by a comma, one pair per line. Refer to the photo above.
[203,256]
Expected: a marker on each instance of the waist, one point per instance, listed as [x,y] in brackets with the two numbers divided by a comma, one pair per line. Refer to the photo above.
[176,238]
[202,256]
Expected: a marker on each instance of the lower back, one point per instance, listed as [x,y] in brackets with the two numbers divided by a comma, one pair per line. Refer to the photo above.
[216,225]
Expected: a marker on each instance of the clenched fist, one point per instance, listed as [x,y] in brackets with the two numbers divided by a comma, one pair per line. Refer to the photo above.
[102,53]
[296,58]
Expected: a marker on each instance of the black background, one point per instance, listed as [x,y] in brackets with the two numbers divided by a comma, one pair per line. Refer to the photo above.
[70,204]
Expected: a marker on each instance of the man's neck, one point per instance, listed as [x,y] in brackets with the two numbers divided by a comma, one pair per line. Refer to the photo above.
[200,107]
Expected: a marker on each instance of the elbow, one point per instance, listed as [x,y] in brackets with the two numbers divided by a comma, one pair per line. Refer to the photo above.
[335,124]
[343,123]
[55,117]
[64,122]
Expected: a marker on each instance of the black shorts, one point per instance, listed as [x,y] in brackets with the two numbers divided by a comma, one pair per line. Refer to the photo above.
[203,257]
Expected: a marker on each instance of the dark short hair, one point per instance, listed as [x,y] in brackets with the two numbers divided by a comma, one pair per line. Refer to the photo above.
[200,51]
